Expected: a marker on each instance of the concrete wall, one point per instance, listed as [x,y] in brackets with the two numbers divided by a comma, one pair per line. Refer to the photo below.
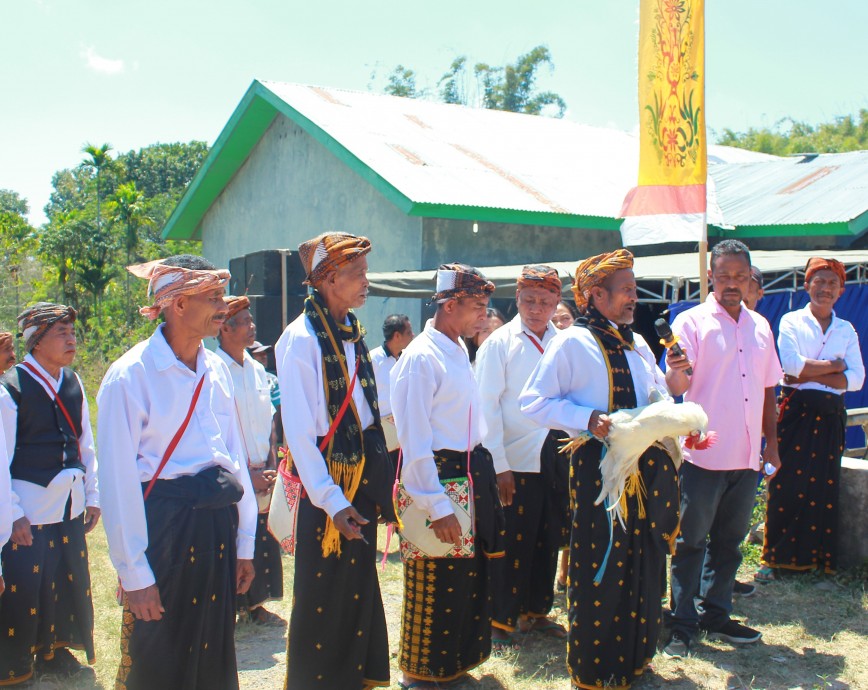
[852,508]
[292,188]
[500,244]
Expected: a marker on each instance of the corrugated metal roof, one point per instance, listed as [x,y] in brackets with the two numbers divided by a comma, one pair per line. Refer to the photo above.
[455,155]
[826,188]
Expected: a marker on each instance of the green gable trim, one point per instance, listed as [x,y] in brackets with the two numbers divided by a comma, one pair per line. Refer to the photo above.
[793,230]
[488,214]
[248,123]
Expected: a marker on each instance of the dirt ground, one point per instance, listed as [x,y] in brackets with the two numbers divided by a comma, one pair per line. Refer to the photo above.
[815,636]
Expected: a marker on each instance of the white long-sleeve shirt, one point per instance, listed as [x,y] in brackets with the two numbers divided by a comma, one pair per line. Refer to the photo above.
[504,363]
[801,337]
[142,402]
[303,408]
[571,381]
[383,362]
[434,396]
[45,505]
[253,408]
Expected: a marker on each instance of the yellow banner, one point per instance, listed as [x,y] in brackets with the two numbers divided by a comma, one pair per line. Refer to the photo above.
[673,149]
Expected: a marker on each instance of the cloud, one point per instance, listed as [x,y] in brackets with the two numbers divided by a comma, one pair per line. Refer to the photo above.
[101,64]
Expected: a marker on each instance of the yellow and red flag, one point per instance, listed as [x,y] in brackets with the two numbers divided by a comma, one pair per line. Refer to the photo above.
[669,203]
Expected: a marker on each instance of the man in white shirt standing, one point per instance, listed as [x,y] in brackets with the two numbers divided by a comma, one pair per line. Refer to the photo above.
[331,420]
[397,334]
[821,359]
[446,618]
[255,415]
[523,581]
[180,513]
[616,569]
[47,605]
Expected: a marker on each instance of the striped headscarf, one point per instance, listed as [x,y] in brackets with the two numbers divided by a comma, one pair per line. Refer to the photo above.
[34,322]
[538,275]
[326,253]
[594,270]
[455,281]
[167,283]
[236,305]
[818,263]
[5,339]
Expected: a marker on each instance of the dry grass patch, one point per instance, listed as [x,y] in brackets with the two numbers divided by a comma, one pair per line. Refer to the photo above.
[815,637]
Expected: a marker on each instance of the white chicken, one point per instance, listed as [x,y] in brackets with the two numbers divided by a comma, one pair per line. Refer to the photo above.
[635,430]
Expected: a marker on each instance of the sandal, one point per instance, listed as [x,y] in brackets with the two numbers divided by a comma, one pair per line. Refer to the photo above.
[501,640]
[765,575]
[561,585]
[549,627]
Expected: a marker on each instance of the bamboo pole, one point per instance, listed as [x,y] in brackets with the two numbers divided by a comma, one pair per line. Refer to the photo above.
[703,262]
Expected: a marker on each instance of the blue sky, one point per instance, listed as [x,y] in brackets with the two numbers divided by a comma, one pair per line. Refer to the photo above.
[135,73]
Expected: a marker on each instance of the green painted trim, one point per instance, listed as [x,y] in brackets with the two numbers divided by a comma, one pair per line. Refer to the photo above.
[487,214]
[859,224]
[245,128]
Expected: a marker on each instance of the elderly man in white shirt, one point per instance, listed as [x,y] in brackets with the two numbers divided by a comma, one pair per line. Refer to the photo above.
[438,413]
[331,420]
[397,334]
[54,502]
[523,582]
[254,413]
[179,509]
[821,359]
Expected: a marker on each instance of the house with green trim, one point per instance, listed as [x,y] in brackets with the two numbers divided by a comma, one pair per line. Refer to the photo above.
[430,182]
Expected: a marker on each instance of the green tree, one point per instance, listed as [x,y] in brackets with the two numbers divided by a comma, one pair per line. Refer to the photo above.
[452,85]
[130,211]
[17,244]
[402,82]
[98,159]
[789,136]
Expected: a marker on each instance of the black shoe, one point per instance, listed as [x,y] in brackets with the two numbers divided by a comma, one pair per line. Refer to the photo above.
[735,633]
[678,646]
[743,589]
[63,663]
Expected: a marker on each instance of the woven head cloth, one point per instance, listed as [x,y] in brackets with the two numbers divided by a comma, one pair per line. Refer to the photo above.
[328,252]
[818,263]
[236,305]
[167,283]
[593,271]
[455,281]
[34,322]
[538,275]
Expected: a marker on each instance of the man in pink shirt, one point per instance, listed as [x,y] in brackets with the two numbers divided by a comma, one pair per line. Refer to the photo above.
[735,370]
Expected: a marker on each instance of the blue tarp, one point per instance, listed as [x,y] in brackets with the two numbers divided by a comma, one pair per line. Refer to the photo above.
[852,306]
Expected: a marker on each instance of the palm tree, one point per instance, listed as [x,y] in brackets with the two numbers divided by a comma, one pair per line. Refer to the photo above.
[98,159]
[129,209]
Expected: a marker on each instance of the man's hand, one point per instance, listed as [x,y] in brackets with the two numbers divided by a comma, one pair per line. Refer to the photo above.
[145,603]
[448,530]
[599,424]
[770,455]
[2,585]
[677,362]
[349,523]
[21,533]
[91,518]
[506,487]
[262,480]
[244,574]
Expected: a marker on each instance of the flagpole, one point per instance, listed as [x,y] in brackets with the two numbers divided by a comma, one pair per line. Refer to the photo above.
[703,260]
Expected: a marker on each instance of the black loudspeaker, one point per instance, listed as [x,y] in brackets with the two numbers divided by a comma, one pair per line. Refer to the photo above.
[263,272]
[239,276]
[268,317]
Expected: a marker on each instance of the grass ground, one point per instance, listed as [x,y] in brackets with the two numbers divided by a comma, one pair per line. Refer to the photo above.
[815,636]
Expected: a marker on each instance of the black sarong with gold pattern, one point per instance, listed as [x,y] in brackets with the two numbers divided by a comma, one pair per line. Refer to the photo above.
[337,631]
[47,603]
[537,527]
[192,527]
[614,622]
[446,619]
[801,531]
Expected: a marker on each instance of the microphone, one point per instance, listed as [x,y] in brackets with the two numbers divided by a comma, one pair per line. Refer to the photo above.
[669,340]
